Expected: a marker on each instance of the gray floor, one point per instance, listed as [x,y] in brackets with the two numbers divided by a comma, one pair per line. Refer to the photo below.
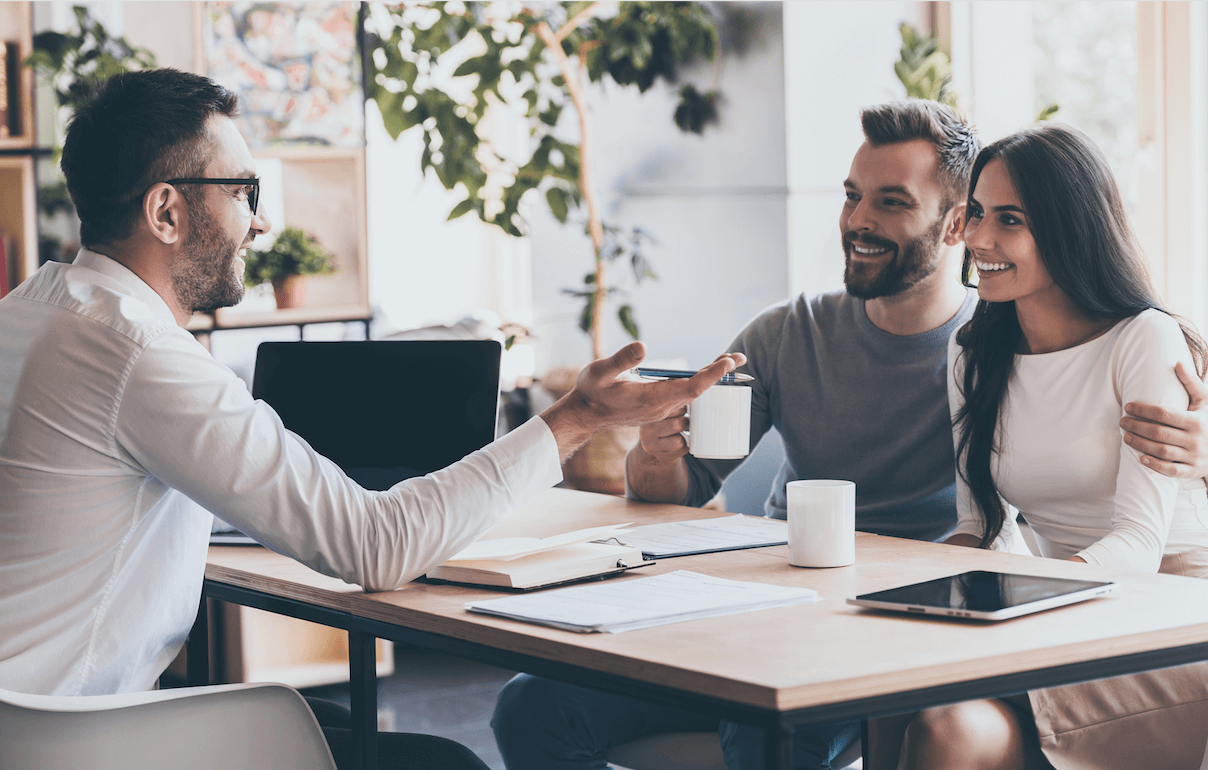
[439,695]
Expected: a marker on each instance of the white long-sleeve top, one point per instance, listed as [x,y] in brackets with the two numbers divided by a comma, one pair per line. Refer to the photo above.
[1062,461]
[120,436]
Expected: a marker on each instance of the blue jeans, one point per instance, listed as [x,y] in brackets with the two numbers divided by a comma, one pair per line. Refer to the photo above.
[543,724]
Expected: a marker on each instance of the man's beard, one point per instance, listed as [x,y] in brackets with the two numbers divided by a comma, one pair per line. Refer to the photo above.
[913,262]
[204,275]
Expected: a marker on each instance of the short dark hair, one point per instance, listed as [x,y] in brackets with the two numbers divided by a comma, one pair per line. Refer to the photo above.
[137,128]
[953,137]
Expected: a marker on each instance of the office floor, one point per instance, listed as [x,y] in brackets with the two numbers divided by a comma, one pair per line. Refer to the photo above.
[436,694]
[439,695]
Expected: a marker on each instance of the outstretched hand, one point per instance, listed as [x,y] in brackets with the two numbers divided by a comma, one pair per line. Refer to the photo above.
[1172,443]
[607,393]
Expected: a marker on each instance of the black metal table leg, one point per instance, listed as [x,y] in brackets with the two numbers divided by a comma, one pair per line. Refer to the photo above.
[362,686]
[778,747]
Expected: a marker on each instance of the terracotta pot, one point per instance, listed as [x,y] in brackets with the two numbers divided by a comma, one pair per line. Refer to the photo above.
[289,291]
[598,465]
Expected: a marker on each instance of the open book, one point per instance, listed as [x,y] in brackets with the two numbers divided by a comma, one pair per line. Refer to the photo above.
[524,563]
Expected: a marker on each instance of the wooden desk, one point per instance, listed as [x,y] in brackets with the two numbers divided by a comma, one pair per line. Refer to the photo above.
[779,668]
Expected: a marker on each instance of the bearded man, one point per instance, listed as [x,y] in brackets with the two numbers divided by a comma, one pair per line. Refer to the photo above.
[855,382]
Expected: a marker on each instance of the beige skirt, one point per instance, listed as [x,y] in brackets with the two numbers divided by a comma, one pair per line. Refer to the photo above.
[1157,720]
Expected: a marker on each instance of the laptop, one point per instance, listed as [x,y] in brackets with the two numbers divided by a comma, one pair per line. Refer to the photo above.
[386,410]
[985,595]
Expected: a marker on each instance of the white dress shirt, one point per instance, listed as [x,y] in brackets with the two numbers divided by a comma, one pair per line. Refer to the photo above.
[1062,460]
[120,436]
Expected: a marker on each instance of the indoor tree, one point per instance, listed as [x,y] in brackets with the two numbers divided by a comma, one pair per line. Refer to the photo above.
[539,56]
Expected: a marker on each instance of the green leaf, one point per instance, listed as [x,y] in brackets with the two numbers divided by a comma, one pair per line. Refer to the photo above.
[1048,112]
[461,209]
[625,315]
[585,317]
[557,199]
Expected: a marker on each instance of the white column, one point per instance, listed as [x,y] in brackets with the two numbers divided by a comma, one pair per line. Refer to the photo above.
[1172,133]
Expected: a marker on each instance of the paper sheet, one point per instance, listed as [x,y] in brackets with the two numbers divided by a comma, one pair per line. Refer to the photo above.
[680,538]
[618,606]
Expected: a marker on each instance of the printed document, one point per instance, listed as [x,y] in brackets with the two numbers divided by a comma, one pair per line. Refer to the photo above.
[627,605]
[726,533]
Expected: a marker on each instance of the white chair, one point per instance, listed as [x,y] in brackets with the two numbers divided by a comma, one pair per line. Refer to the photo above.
[692,751]
[262,726]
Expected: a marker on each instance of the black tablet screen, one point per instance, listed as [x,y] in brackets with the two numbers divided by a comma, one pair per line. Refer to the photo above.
[981,591]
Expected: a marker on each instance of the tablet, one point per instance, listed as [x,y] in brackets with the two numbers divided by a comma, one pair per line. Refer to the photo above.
[984,595]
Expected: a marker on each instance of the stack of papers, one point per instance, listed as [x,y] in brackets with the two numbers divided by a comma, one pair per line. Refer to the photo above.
[727,533]
[615,607]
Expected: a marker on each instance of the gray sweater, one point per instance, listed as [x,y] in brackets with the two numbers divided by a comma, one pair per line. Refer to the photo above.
[853,402]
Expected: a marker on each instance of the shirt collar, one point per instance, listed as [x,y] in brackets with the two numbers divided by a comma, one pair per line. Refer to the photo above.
[116,271]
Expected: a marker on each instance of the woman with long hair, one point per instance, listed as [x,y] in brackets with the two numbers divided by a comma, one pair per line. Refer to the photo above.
[1067,330]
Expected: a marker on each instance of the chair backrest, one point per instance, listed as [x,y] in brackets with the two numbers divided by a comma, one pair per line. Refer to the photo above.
[262,726]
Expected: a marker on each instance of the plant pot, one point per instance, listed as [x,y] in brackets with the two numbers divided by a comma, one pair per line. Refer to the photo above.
[289,291]
[598,465]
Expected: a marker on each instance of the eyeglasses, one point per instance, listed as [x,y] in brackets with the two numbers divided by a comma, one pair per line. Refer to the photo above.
[252,184]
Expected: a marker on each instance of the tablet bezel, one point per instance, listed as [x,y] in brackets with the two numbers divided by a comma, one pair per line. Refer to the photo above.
[1095,589]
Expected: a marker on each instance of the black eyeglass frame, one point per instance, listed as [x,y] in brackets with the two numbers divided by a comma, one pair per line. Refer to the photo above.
[253,197]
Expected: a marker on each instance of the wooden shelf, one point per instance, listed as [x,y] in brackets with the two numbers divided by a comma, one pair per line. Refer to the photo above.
[18,207]
[298,316]
[16,24]
[18,194]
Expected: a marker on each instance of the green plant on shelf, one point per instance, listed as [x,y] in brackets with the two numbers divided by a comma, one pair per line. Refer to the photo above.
[295,252]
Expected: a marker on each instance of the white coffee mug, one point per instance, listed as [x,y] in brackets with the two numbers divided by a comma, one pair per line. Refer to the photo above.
[719,423]
[822,523]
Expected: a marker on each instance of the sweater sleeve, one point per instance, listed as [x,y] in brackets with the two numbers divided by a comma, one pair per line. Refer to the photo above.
[1143,370]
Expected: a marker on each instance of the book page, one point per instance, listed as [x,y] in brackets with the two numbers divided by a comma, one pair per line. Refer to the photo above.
[507,548]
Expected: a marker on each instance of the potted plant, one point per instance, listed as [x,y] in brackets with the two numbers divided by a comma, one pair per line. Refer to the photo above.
[294,255]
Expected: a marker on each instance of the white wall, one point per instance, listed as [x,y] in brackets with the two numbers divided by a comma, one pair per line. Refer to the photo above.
[838,58]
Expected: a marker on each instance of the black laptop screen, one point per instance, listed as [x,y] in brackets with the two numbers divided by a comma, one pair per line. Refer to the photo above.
[384,410]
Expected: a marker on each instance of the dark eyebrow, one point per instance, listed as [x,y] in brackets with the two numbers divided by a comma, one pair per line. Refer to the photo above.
[1007,207]
[891,189]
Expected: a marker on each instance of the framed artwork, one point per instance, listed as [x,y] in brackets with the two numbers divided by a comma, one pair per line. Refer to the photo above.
[296,68]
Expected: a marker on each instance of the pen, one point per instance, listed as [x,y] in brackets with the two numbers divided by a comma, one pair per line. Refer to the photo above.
[669,374]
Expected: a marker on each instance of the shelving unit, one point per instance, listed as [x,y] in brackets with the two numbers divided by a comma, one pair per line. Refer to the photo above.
[18,198]
[323,191]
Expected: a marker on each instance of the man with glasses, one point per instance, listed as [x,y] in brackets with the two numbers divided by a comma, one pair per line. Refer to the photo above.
[120,435]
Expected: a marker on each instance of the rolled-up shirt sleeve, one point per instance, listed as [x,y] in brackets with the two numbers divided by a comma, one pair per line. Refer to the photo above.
[191,423]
